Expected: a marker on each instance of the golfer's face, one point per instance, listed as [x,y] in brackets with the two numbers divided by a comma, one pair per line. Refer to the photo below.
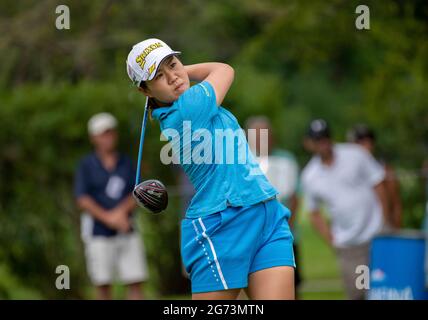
[170,81]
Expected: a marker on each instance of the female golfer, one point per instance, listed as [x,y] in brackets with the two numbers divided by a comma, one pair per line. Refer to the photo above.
[235,234]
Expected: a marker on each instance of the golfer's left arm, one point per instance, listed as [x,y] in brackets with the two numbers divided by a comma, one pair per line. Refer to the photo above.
[219,75]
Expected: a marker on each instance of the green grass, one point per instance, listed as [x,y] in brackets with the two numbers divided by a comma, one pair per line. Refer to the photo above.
[321,275]
[335,295]
[317,259]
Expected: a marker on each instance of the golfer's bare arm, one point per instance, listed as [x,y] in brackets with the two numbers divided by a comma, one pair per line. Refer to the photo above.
[321,225]
[219,75]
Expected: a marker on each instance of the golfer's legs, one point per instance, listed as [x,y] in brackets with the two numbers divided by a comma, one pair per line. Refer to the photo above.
[276,283]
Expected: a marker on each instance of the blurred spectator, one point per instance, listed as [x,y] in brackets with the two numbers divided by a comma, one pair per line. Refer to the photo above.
[425,178]
[425,181]
[103,189]
[348,181]
[364,136]
[282,170]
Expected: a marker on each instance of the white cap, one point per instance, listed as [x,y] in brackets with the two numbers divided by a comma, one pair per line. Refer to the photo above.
[145,58]
[101,122]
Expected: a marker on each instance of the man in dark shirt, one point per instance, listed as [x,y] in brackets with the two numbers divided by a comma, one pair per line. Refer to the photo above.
[103,189]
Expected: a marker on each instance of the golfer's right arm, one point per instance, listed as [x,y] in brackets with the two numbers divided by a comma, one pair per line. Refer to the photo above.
[321,225]
[219,75]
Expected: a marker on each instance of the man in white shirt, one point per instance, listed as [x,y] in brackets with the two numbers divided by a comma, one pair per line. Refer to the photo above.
[365,137]
[347,180]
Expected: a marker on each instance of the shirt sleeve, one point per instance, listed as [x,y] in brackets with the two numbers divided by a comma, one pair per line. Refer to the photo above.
[372,170]
[80,181]
[198,103]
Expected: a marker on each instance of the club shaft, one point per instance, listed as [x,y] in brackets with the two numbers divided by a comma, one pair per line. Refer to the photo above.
[140,150]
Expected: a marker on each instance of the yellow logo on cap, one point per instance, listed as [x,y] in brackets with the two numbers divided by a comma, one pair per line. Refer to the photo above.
[152,68]
[141,59]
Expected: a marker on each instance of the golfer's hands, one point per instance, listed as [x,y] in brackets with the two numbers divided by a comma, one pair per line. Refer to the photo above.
[117,219]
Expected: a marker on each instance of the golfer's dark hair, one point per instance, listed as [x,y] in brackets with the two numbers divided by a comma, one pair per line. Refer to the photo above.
[152,102]
[143,85]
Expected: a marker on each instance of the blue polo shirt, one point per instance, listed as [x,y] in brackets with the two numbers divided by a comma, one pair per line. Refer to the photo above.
[106,188]
[213,151]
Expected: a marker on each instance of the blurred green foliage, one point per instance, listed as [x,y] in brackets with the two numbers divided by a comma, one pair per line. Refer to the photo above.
[43,136]
[294,61]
